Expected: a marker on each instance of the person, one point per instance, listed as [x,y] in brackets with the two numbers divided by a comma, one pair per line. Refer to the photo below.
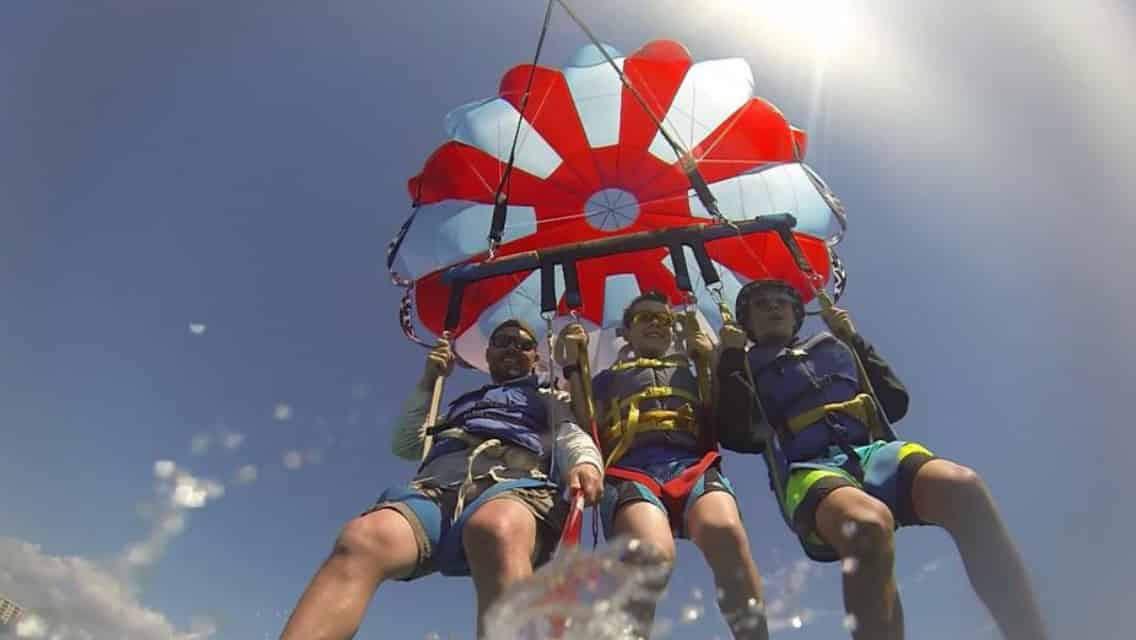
[484,502]
[843,481]
[663,476]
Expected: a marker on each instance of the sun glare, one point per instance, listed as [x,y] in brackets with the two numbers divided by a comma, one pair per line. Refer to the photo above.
[824,26]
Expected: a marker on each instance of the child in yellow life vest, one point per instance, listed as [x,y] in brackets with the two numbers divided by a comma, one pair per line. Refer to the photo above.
[663,474]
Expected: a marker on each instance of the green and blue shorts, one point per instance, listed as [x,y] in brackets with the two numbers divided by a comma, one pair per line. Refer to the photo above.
[889,469]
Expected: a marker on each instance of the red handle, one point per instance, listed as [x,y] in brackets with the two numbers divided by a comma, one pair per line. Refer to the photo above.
[574,523]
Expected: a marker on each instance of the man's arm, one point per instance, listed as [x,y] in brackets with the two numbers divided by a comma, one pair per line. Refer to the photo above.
[409,432]
[409,435]
[576,454]
[574,446]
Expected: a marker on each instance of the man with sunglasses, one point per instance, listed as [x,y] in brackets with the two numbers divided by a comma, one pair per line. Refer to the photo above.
[663,476]
[485,501]
[812,407]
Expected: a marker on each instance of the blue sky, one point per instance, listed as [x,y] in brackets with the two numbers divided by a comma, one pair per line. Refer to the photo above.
[241,166]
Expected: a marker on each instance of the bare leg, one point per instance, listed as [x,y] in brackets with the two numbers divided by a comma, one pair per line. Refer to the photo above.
[646,522]
[370,549]
[955,498]
[499,541]
[716,528]
[861,529]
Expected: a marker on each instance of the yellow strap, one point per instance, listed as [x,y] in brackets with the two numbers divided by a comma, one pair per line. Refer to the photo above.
[623,433]
[649,363]
[654,393]
[862,407]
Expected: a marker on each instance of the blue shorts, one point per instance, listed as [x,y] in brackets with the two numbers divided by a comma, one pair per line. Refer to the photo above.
[619,492]
[429,510]
[888,470]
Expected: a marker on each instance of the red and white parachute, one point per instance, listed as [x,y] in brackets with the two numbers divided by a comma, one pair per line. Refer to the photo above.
[592,162]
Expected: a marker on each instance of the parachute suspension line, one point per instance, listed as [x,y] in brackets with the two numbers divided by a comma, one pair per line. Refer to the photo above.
[826,302]
[833,202]
[839,274]
[406,321]
[551,344]
[686,159]
[406,304]
[501,197]
[396,242]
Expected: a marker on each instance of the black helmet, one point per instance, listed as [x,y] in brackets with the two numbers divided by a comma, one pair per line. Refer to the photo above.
[741,307]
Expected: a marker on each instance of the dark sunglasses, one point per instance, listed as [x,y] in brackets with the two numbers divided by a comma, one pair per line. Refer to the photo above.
[504,341]
[664,318]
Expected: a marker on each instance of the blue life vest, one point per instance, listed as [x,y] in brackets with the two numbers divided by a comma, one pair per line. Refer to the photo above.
[648,402]
[803,376]
[513,412]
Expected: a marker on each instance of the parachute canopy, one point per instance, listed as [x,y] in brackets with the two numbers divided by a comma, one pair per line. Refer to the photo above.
[590,163]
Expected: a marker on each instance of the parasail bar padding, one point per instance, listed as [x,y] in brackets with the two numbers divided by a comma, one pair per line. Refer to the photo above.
[795,251]
[566,257]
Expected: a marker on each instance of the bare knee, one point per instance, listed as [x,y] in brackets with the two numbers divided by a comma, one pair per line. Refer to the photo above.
[950,494]
[380,544]
[500,536]
[870,532]
[862,528]
[966,482]
[648,526]
[721,531]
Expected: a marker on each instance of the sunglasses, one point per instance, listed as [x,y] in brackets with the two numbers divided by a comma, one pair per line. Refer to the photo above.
[504,341]
[664,318]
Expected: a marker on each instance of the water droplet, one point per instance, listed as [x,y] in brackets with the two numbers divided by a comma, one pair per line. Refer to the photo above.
[696,593]
[850,623]
[848,529]
[849,566]
[753,606]
[797,622]
[691,613]
[293,460]
[196,328]
[721,594]
[282,412]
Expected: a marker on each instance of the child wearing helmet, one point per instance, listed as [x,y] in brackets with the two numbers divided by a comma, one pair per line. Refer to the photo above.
[819,409]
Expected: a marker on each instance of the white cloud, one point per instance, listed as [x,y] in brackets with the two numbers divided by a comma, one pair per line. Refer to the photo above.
[72,598]
[197,328]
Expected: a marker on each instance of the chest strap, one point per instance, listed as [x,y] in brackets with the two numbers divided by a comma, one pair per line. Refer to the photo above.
[861,407]
[619,434]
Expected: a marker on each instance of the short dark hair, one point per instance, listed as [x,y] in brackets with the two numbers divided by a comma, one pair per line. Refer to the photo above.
[654,295]
[513,322]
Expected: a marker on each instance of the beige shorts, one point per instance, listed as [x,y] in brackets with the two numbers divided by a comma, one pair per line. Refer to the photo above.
[430,510]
